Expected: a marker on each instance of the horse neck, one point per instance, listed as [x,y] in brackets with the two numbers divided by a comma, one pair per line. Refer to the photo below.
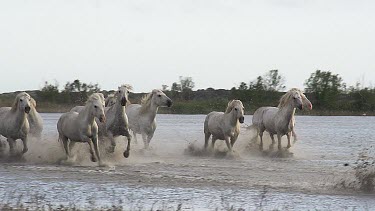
[86,115]
[119,109]
[232,117]
[20,117]
[151,110]
[286,113]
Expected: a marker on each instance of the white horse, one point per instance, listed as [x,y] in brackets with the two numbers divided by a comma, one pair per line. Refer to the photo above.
[306,103]
[117,120]
[13,121]
[142,117]
[81,127]
[224,126]
[35,120]
[278,120]
[110,100]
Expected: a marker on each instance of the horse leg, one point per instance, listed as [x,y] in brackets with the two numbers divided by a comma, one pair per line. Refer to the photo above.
[294,135]
[11,146]
[25,149]
[279,141]
[206,139]
[213,142]
[261,140]
[96,147]
[233,140]
[288,136]
[228,143]
[127,151]
[135,137]
[273,141]
[113,142]
[66,146]
[145,142]
[90,143]
[149,137]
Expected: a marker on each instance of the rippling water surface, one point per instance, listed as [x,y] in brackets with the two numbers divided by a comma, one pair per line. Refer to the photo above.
[176,173]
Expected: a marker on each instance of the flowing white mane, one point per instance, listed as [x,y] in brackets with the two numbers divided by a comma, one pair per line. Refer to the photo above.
[232,104]
[146,101]
[288,96]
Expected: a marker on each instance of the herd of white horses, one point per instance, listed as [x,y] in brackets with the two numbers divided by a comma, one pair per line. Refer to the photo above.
[107,118]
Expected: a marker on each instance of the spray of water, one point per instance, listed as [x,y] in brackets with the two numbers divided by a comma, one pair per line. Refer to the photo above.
[362,172]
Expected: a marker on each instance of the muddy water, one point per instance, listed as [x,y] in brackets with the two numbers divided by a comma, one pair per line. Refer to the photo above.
[175,173]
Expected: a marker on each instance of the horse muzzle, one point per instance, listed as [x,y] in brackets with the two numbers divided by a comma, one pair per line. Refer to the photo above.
[102,118]
[123,101]
[310,106]
[169,103]
[27,109]
[241,119]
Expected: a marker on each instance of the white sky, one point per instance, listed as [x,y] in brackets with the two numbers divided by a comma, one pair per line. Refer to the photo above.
[149,43]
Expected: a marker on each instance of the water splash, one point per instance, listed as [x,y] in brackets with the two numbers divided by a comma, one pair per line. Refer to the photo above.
[362,172]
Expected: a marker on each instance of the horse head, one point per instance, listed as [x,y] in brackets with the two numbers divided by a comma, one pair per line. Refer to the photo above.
[160,98]
[122,94]
[238,110]
[22,102]
[95,101]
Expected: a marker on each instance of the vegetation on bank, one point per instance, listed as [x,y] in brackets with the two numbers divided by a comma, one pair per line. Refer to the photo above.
[326,90]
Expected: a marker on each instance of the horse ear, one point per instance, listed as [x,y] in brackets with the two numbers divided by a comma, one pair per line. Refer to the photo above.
[154,91]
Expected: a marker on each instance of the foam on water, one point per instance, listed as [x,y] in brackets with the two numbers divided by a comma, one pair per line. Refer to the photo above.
[361,176]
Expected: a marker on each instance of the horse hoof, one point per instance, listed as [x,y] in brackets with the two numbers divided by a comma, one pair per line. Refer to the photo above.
[126,154]
[93,159]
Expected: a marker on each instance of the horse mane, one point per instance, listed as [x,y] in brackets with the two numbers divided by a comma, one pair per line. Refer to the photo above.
[146,101]
[94,97]
[287,96]
[16,100]
[231,105]
[127,86]
[33,102]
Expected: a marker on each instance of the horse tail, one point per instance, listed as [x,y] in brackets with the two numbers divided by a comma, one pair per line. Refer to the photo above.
[205,129]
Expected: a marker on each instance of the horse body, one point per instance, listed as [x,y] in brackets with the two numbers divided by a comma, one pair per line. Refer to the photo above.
[13,121]
[142,117]
[117,120]
[278,120]
[81,127]
[224,126]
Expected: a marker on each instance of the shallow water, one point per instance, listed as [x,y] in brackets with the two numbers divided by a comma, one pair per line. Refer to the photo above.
[176,173]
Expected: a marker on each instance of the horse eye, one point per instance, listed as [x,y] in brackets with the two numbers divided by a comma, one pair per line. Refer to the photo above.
[95,106]
[128,92]
[236,109]
[21,100]
[159,95]
[119,91]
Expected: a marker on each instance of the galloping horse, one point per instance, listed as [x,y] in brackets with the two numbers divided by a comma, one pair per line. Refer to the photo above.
[142,117]
[81,127]
[224,126]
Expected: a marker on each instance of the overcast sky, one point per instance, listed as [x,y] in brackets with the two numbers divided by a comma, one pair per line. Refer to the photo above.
[149,43]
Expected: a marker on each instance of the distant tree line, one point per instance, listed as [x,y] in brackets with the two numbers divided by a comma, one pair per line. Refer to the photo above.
[326,90]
